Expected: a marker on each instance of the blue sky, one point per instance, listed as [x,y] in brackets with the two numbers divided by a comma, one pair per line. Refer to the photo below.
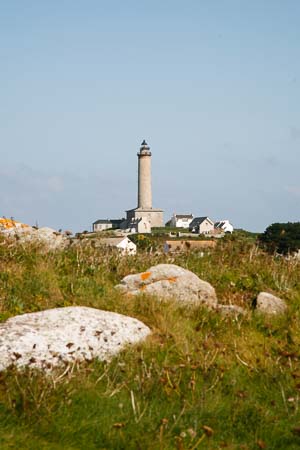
[213,86]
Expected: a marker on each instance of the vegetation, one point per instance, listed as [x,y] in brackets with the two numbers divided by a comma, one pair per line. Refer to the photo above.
[168,230]
[283,238]
[201,381]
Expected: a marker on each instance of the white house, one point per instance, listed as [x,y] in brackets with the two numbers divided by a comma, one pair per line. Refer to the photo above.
[201,225]
[122,243]
[224,225]
[181,220]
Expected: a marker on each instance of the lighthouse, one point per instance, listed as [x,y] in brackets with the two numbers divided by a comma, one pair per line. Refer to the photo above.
[144,177]
[144,210]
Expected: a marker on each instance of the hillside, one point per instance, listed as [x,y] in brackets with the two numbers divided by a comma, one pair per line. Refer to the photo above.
[200,380]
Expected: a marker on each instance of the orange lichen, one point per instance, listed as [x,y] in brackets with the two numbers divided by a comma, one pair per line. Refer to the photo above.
[172,279]
[145,275]
[8,224]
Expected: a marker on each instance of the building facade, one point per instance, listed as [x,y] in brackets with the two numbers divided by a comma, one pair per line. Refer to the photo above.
[181,220]
[107,224]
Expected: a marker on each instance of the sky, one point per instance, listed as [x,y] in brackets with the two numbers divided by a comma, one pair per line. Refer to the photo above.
[212,85]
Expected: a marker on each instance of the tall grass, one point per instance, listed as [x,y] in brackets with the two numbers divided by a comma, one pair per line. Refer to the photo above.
[200,381]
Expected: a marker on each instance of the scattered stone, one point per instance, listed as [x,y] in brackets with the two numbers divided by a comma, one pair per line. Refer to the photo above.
[270,304]
[170,281]
[55,337]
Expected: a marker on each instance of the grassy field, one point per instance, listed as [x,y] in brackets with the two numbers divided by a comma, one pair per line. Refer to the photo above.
[201,381]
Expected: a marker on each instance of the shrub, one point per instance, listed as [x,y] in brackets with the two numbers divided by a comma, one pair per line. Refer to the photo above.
[283,238]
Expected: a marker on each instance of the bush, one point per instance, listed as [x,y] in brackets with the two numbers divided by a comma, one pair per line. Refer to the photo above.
[283,238]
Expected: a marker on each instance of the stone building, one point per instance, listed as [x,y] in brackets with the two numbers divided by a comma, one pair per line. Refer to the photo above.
[144,208]
[122,243]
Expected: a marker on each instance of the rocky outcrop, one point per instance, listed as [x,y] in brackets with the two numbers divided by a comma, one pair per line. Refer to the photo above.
[11,225]
[46,236]
[270,304]
[60,336]
[170,281]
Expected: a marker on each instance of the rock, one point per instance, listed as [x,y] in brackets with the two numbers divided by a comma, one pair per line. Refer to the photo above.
[230,310]
[270,304]
[10,225]
[55,337]
[170,281]
[45,236]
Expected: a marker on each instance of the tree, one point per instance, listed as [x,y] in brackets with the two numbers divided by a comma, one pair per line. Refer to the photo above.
[283,238]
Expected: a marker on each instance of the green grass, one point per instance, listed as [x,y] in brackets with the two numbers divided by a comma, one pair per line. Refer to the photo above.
[240,378]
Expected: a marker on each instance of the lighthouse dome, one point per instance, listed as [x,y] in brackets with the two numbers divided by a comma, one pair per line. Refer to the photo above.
[145,149]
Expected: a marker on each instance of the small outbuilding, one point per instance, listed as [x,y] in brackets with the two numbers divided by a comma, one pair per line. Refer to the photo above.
[122,243]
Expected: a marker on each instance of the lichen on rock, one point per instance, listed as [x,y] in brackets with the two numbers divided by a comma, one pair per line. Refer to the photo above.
[170,281]
[55,337]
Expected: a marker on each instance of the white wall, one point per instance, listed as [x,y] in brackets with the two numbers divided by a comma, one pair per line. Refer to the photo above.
[180,223]
[227,227]
[127,246]
[101,226]
[205,227]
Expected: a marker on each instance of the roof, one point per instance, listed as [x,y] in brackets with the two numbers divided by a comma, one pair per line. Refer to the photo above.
[199,220]
[115,240]
[101,221]
[222,223]
[219,224]
[109,221]
[183,216]
[112,240]
[117,220]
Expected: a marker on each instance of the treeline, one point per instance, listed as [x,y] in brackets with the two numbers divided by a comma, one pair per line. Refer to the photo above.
[283,238]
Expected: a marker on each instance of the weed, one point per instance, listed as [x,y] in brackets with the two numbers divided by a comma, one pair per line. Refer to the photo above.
[200,380]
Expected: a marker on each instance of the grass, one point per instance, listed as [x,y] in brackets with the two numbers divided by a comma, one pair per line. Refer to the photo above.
[200,381]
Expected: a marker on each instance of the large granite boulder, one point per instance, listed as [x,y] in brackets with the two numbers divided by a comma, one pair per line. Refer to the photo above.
[270,304]
[45,236]
[55,337]
[170,281]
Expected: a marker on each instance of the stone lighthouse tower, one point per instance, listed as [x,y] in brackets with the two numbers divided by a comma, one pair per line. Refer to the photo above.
[144,210]
[144,177]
